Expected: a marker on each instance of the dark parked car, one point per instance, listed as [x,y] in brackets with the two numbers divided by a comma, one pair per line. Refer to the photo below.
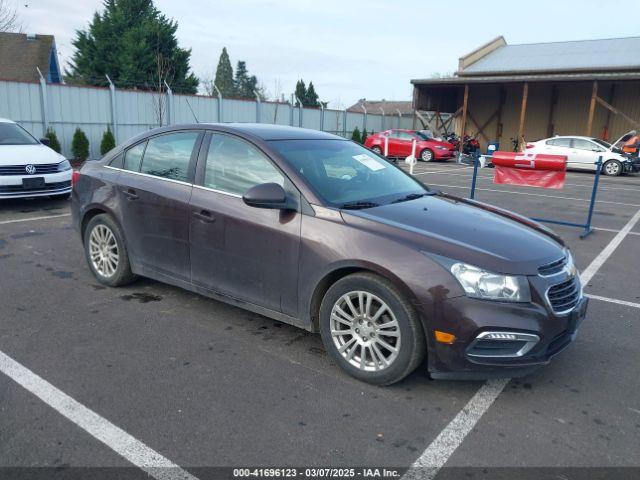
[319,232]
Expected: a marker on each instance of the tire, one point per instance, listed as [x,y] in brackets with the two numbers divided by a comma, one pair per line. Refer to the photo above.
[377,150]
[64,196]
[426,155]
[612,168]
[103,235]
[402,328]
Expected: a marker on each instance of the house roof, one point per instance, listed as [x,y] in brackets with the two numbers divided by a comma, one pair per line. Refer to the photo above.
[20,54]
[612,54]
[547,77]
[389,107]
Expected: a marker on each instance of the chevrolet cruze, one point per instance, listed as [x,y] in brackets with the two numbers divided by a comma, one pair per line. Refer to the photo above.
[319,232]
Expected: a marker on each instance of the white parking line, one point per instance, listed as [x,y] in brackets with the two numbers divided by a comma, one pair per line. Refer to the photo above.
[615,231]
[468,187]
[113,437]
[613,300]
[31,219]
[452,436]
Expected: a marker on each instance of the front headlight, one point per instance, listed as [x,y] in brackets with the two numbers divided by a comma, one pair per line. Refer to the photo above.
[64,165]
[441,148]
[478,283]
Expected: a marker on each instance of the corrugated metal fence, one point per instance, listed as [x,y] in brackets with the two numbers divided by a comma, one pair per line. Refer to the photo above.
[130,112]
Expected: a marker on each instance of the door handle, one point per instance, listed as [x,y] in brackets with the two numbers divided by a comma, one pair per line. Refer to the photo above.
[130,194]
[204,216]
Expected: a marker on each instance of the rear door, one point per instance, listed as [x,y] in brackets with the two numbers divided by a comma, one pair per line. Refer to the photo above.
[405,143]
[155,188]
[244,252]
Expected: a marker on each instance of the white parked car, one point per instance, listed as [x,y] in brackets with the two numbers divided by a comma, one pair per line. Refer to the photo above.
[29,168]
[583,152]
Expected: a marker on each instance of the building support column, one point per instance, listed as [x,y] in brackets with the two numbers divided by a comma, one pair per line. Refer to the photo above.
[552,111]
[523,112]
[463,122]
[502,97]
[592,107]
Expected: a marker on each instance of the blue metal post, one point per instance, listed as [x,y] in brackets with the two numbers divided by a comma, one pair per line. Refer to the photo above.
[475,174]
[587,228]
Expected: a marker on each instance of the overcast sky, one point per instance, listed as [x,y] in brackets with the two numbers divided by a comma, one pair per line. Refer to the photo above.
[350,49]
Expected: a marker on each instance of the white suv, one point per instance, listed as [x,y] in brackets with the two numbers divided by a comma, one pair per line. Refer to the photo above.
[583,152]
[28,168]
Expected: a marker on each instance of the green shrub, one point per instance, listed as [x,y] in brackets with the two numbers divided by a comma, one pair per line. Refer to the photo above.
[108,142]
[54,144]
[355,136]
[80,145]
[364,136]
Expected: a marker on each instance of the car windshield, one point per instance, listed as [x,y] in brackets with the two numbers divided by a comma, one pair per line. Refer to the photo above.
[13,134]
[346,175]
[423,135]
[601,142]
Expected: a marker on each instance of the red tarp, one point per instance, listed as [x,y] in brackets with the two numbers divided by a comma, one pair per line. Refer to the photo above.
[529,170]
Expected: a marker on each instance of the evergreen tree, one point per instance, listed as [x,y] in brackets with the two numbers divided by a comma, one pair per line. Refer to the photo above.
[355,136]
[128,40]
[301,92]
[224,75]
[54,144]
[108,142]
[80,145]
[311,97]
[244,84]
[364,136]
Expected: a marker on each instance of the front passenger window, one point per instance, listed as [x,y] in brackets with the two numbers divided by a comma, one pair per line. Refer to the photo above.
[234,166]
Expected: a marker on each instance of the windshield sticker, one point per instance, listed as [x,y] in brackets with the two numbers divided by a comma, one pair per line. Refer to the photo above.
[369,162]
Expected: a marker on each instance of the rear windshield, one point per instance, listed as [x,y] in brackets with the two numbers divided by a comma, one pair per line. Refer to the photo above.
[13,134]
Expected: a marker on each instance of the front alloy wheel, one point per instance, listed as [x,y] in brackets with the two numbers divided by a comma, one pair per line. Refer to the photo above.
[426,155]
[613,168]
[371,329]
[365,331]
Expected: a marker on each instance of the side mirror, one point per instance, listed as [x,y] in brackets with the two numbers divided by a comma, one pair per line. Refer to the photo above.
[267,195]
[45,141]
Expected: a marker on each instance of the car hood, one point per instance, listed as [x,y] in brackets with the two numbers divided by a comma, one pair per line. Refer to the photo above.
[467,231]
[28,154]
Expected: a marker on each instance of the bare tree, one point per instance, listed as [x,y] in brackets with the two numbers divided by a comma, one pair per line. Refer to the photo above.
[9,20]
[163,73]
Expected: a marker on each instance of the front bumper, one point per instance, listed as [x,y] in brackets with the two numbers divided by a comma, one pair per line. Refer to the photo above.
[467,318]
[58,183]
[443,154]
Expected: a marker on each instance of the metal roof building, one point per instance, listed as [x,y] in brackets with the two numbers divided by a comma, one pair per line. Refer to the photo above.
[532,91]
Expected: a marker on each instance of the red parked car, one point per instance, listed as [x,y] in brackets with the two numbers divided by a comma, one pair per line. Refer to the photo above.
[400,144]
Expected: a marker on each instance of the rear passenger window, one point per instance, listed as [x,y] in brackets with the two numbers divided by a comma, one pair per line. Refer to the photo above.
[168,156]
[234,166]
[133,157]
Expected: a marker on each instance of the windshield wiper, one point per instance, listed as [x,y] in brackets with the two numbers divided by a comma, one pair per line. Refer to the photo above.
[358,205]
[413,196]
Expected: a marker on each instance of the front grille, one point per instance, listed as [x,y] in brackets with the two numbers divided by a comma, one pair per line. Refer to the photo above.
[21,170]
[564,296]
[552,268]
[45,188]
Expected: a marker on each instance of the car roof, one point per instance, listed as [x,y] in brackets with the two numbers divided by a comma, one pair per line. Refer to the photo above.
[570,136]
[267,131]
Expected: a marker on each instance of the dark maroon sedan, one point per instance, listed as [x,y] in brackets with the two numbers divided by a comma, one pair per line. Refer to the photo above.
[319,232]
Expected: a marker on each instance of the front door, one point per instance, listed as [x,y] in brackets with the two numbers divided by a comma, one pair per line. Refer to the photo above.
[244,252]
[155,188]
[584,154]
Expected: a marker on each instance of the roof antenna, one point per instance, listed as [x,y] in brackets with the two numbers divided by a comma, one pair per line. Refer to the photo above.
[192,112]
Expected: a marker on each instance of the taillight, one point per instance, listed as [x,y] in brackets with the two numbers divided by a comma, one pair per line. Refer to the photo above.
[75,176]
[529,145]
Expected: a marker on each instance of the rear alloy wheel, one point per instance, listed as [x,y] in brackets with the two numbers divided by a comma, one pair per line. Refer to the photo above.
[371,329]
[613,168]
[426,155]
[106,252]
[377,150]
